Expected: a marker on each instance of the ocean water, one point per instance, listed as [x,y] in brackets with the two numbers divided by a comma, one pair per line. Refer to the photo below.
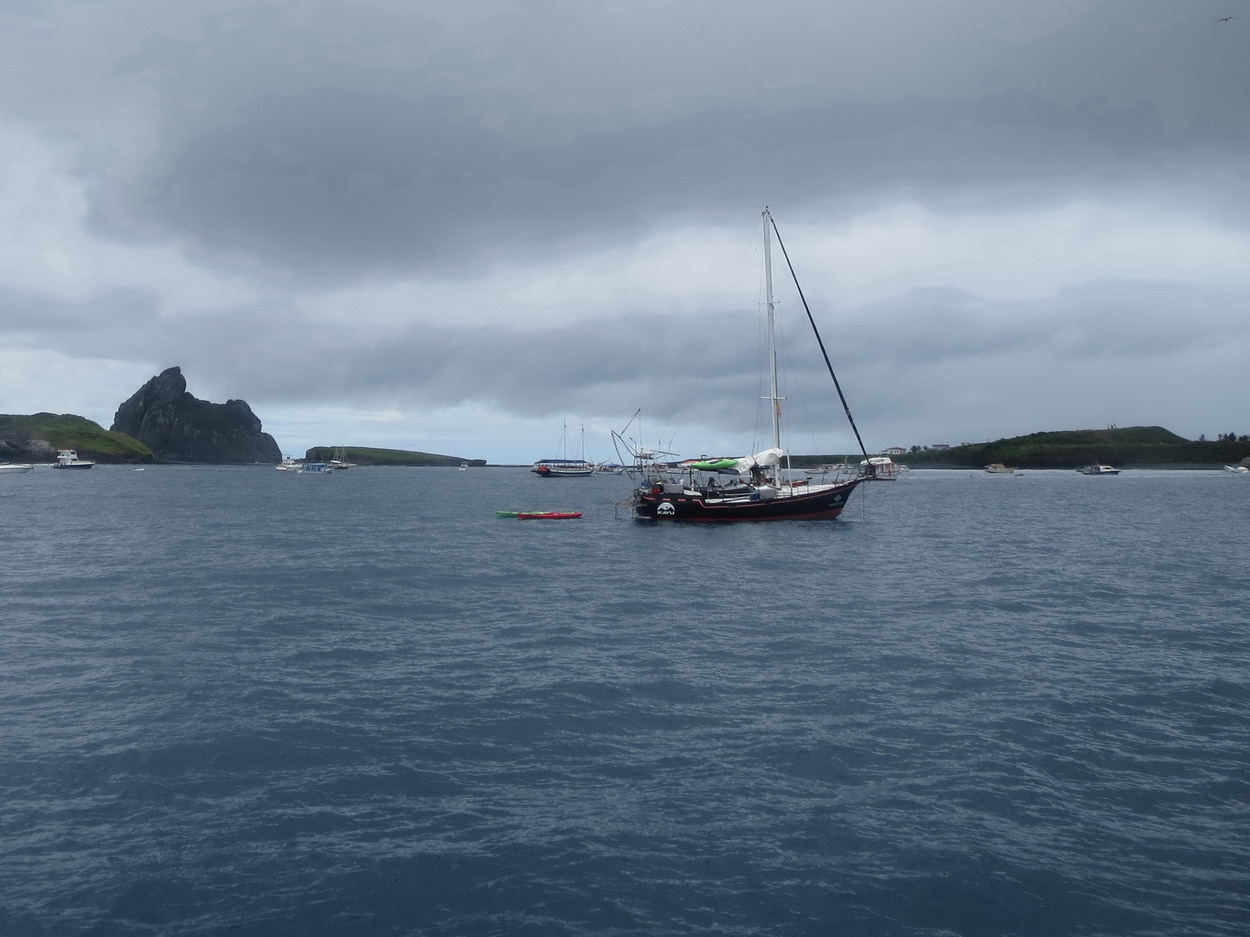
[235,701]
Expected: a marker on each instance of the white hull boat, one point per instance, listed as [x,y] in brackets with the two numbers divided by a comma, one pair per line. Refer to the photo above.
[68,459]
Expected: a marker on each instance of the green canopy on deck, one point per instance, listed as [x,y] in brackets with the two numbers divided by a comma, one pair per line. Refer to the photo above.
[713,465]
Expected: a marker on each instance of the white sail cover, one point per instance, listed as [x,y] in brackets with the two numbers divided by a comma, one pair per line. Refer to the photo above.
[763,459]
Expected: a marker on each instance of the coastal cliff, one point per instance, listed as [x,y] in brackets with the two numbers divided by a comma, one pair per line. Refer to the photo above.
[178,427]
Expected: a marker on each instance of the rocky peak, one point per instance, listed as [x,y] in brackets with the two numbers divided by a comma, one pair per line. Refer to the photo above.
[177,427]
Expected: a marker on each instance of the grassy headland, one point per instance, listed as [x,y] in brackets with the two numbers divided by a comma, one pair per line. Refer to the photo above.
[37,436]
[1140,446]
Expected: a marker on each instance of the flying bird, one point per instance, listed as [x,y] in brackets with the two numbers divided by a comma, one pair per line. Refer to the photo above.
[1225,19]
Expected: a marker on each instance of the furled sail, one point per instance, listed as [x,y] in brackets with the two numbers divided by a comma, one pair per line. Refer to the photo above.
[765,459]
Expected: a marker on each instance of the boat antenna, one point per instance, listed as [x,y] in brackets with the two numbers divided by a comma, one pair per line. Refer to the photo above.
[819,341]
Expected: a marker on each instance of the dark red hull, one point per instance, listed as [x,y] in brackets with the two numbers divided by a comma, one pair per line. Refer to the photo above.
[818,503]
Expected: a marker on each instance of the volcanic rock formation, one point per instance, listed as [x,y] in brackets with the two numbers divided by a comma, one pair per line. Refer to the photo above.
[179,428]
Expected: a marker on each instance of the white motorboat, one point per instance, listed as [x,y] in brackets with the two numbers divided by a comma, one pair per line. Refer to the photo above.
[68,459]
[1098,469]
[881,468]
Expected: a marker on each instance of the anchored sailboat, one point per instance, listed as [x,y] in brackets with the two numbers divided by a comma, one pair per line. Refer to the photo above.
[565,467]
[761,491]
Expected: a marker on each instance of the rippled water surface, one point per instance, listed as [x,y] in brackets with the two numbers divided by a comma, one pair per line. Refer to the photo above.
[238,701]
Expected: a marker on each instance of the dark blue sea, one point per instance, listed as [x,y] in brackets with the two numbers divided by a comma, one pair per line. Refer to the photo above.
[235,701]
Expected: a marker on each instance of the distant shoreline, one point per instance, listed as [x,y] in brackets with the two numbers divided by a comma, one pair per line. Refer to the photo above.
[1153,467]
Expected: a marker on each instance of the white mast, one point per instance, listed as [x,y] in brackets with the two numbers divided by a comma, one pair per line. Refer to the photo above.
[774,397]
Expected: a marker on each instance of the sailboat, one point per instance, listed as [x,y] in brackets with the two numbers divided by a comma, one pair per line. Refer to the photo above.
[339,463]
[757,487]
[565,467]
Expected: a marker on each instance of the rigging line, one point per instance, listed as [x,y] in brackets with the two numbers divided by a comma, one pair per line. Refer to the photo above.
[820,341]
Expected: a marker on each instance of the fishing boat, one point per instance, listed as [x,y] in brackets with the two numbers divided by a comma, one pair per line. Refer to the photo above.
[997,468]
[756,487]
[68,459]
[1098,469]
[287,464]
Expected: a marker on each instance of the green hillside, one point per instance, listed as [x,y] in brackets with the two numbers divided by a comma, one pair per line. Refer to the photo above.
[363,455]
[35,437]
[1127,446]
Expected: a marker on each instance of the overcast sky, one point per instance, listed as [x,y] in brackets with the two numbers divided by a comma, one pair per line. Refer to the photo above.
[459,227]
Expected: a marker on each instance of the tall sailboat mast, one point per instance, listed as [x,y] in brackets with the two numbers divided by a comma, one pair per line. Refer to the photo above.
[773,397]
[762,491]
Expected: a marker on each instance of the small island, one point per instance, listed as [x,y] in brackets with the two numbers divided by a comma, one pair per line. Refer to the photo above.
[1130,446]
[364,455]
